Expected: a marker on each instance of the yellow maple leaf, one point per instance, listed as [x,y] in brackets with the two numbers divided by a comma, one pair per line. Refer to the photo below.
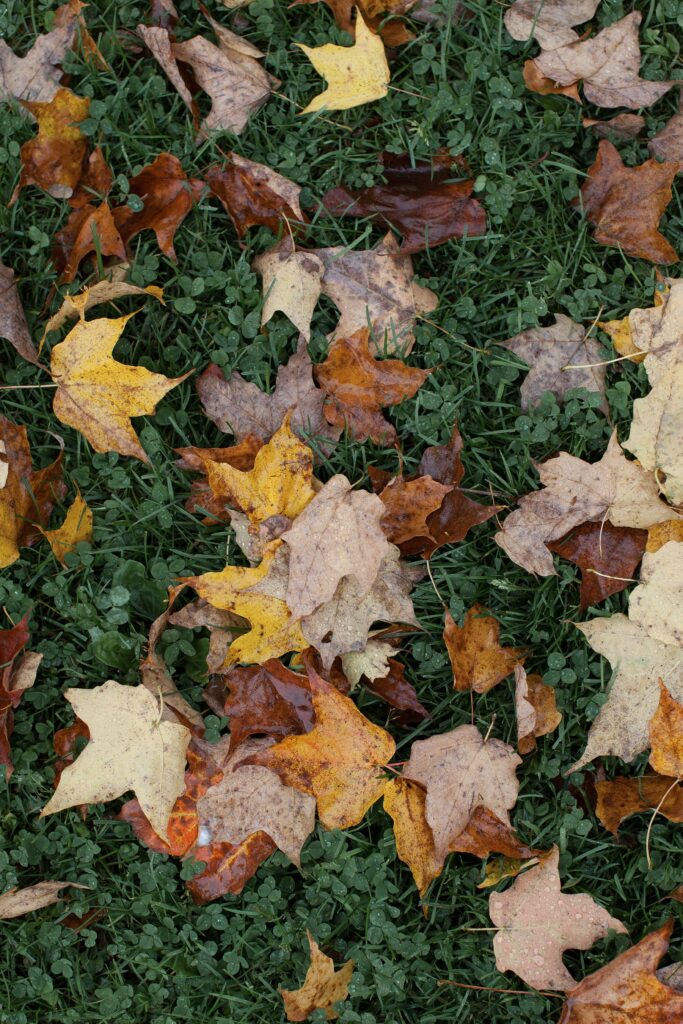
[322,987]
[98,395]
[258,596]
[76,527]
[354,74]
[278,485]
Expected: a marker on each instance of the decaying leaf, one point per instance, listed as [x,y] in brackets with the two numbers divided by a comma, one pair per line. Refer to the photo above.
[17,902]
[657,428]
[537,82]
[485,833]
[608,64]
[408,503]
[77,527]
[354,74]
[662,533]
[254,194]
[155,676]
[666,736]
[417,200]
[552,353]
[478,661]
[129,748]
[98,395]
[18,669]
[54,159]
[13,325]
[291,284]
[619,798]
[95,183]
[576,492]
[625,204]
[537,922]
[36,76]
[549,22]
[628,987]
[535,708]
[404,802]
[372,663]
[358,387]
[461,771]
[667,144]
[399,693]
[89,229]
[656,605]
[339,761]
[102,291]
[393,30]
[622,126]
[607,556]
[639,661]
[228,868]
[323,986]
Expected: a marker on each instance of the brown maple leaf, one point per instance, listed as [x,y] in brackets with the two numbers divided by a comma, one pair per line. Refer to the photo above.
[393,30]
[618,799]
[13,325]
[322,987]
[478,661]
[667,144]
[607,556]
[535,708]
[89,229]
[254,194]
[94,183]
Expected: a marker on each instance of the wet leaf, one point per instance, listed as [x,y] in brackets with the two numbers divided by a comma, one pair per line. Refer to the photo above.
[253,194]
[478,661]
[607,555]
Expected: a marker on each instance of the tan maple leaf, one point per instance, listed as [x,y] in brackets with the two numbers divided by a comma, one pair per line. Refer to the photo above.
[323,986]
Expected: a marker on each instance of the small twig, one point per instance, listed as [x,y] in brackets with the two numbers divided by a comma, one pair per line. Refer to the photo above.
[506,991]
[606,575]
[436,589]
[25,387]
[605,362]
[652,820]
[337,124]
[418,95]
[490,728]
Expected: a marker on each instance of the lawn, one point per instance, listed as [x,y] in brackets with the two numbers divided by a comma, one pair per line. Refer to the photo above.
[154,957]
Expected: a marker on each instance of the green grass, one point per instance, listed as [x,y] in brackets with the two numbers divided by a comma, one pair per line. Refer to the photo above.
[155,958]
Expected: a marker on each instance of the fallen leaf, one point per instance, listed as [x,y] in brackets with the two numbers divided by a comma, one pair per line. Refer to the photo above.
[656,605]
[280,483]
[222,626]
[628,988]
[607,556]
[83,41]
[343,624]
[667,144]
[375,287]
[89,229]
[619,798]
[536,81]
[263,700]
[324,542]
[415,200]
[95,183]
[370,664]
[322,987]
[253,194]
[399,693]
[97,395]
[339,761]
[168,196]
[27,495]
[551,353]
[478,661]
[485,833]
[291,284]
[202,499]
[537,922]
[460,771]
[17,674]
[358,387]
[501,868]
[53,160]
[36,76]
[656,429]
[155,676]
[666,735]
[238,407]
[408,503]
[626,203]
[228,868]
[163,13]
[257,595]
[639,661]
[549,22]
[17,902]
[13,325]
[354,74]
[661,533]
[622,127]
[76,528]
[393,29]
[129,748]
[576,492]
[608,64]
[535,708]
[102,291]
[404,802]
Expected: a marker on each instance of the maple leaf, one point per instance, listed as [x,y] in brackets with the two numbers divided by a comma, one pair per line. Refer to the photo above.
[370,664]
[102,291]
[619,798]
[549,22]
[228,867]
[408,503]
[202,498]
[36,76]
[478,661]
[338,762]
[17,902]
[291,284]
[17,674]
[667,144]
[626,203]
[95,182]
[54,159]
[399,693]
[253,194]
[662,533]
[257,595]
[129,749]
[576,492]
[358,387]
[607,556]
[639,660]
[324,541]
[343,623]
[415,200]
[537,82]
[485,833]
[535,709]
[538,922]
[656,605]
[13,325]
[551,353]
[629,987]
[404,802]
[608,64]
[77,527]
[354,74]
[98,395]
[229,73]
[240,408]
[168,196]
[89,229]
[222,626]
[623,126]
[322,987]
[27,495]
[375,287]
[666,735]
[460,771]
[656,430]
[278,485]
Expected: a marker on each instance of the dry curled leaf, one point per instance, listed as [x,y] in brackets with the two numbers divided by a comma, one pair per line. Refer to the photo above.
[354,74]
[17,902]
[323,986]
[478,661]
